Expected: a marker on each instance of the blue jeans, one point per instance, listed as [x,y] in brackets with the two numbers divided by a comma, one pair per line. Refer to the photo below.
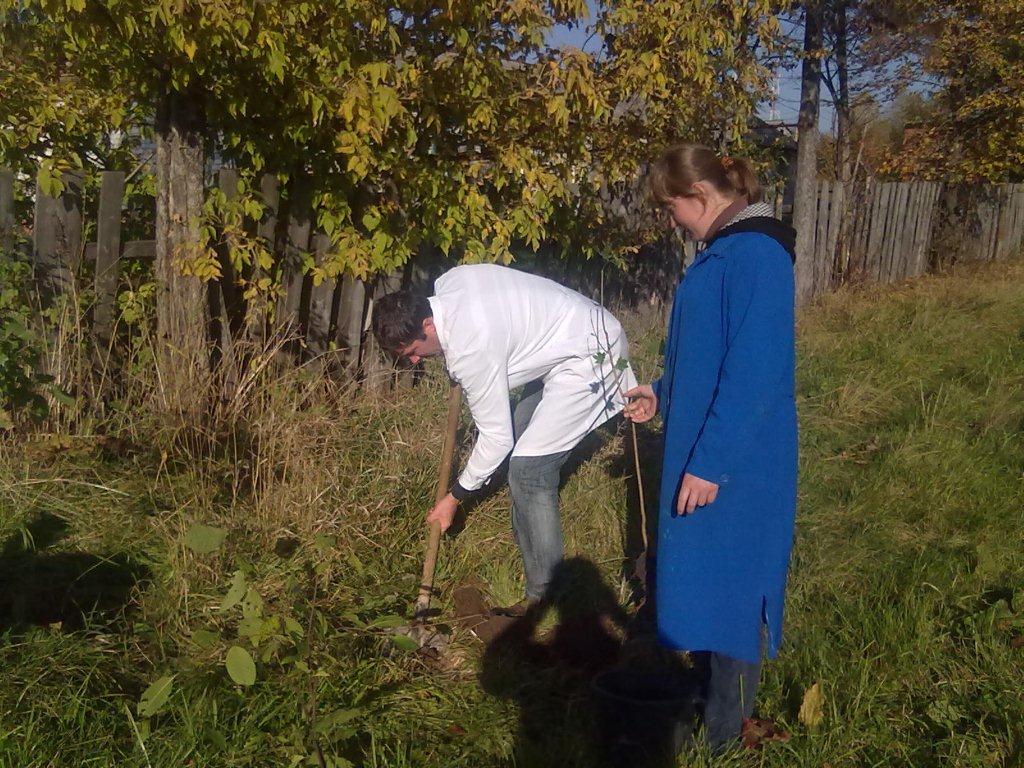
[533,483]
[731,687]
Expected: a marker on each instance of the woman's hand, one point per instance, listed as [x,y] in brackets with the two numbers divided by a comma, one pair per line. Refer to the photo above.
[694,493]
[642,404]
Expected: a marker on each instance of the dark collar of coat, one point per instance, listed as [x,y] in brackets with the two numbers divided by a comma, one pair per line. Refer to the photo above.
[778,231]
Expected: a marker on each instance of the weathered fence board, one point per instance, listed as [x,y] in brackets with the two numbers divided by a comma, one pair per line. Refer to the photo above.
[296,245]
[351,316]
[108,254]
[821,236]
[321,304]
[270,193]
[57,239]
[835,225]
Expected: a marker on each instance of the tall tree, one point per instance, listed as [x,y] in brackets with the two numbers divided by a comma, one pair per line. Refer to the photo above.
[410,123]
[869,52]
[807,150]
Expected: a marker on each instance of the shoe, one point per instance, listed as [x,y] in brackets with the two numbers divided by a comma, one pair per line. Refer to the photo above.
[517,610]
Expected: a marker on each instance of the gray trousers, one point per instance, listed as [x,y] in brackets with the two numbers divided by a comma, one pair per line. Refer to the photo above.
[533,483]
[731,688]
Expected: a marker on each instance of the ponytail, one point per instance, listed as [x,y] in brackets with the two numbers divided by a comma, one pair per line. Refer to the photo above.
[742,179]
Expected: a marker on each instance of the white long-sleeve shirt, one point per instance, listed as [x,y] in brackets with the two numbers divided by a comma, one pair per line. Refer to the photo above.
[500,328]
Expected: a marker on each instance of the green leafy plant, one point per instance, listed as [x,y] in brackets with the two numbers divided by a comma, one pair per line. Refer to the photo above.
[22,385]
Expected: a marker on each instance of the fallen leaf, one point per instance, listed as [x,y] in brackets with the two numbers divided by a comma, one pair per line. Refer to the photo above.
[812,710]
[757,732]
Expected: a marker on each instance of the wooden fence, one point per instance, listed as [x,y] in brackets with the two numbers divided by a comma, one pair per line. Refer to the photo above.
[324,322]
[891,231]
[871,231]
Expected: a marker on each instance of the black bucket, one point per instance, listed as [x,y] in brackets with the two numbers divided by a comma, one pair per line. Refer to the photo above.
[645,717]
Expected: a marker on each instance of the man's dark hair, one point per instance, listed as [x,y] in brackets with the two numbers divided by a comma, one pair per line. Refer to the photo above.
[398,319]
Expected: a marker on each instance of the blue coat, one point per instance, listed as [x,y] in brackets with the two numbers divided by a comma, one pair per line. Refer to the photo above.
[727,400]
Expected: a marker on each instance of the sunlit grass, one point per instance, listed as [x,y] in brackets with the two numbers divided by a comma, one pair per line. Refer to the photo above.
[905,594]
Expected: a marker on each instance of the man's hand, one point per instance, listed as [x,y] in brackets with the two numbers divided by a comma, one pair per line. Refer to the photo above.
[643,406]
[443,512]
[694,493]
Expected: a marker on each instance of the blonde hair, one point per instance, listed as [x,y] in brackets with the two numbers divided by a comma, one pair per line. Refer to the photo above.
[680,167]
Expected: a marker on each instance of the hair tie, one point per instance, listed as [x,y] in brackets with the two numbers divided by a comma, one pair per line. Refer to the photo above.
[727,162]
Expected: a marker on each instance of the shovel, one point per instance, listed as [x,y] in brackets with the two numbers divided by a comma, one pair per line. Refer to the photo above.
[419,630]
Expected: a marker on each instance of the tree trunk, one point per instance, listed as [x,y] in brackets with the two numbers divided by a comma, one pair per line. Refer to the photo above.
[843,138]
[804,207]
[181,308]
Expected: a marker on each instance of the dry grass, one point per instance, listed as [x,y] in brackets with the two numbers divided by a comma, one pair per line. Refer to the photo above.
[908,546]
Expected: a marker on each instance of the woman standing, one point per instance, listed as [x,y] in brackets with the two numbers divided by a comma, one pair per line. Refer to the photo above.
[728,489]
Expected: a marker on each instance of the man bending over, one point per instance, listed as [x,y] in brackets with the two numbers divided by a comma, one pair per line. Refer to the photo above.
[498,328]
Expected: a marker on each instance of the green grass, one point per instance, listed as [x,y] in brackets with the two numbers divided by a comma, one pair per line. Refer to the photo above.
[906,592]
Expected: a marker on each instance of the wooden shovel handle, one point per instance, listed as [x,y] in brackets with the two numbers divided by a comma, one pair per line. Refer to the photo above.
[444,473]
[640,490]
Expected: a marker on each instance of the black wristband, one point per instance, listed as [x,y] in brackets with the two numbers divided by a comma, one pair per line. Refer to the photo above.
[459,492]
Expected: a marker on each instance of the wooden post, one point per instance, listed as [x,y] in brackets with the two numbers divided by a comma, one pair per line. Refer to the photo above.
[108,256]
[182,309]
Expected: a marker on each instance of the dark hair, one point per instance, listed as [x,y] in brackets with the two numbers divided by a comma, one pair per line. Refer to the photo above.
[680,167]
[398,319]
